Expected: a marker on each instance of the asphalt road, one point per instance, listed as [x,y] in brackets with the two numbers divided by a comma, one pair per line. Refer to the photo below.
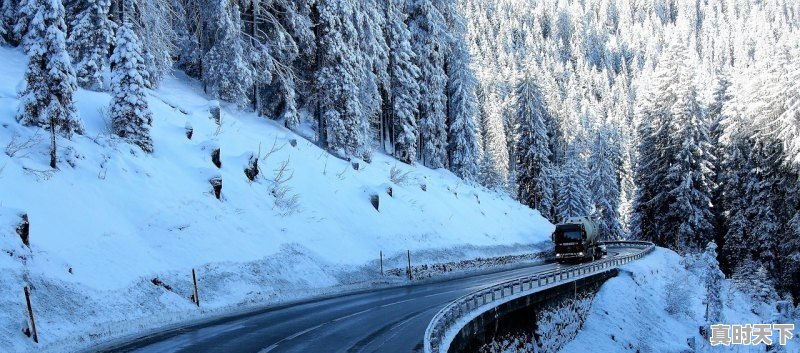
[386,320]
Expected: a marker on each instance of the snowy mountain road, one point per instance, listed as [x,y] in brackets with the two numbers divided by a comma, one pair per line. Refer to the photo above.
[385,320]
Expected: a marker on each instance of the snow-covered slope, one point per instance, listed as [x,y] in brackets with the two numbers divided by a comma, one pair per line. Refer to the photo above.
[656,305]
[113,218]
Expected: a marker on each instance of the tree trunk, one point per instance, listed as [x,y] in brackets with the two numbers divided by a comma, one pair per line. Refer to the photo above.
[321,126]
[53,147]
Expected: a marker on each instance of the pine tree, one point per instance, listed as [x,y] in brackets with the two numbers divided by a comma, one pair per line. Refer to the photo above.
[533,153]
[338,80]
[462,112]
[404,93]
[8,11]
[691,174]
[373,52]
[21,18]
[47,100]
[494,165]
[753,278]
[735,167]
[714,114]
[152,21]
[130,115]
[674,174]
[227,73]
[573,192]
[429,42]
[604,182]
[89,43]
[713,283]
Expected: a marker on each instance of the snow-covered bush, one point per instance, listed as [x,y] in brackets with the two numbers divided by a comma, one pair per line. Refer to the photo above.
[678,295]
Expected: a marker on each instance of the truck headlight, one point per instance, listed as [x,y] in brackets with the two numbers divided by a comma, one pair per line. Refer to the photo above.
[580,253]
[558,255]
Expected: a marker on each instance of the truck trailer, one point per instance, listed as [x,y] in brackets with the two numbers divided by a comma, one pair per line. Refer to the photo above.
[576,239]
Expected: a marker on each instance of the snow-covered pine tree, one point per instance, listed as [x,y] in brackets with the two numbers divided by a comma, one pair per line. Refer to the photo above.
[130,114]
[713,283]
[47,100]
[735,175]
[462,110]
[89,42]
[735,167]
[373,54]
[674,172]
[494,165]
[752,278]
[604,164]
[226,71]
[403,77]
[22,14]
[8,17]
[7,12]
[338,79]
[152,21]
[533,153]
[690,177]
[714,115]
[429,40]
[574,198]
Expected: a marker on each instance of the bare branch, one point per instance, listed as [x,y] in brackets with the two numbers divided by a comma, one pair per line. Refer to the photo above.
[22,148]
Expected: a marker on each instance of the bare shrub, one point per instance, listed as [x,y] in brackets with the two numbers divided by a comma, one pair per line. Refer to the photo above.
[398,176]
[287,202]
[22,147]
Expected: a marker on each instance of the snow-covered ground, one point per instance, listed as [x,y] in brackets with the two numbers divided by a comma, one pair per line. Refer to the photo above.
[655,305]
[112,220]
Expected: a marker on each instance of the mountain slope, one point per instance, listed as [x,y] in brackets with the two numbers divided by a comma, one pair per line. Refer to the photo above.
[113,219]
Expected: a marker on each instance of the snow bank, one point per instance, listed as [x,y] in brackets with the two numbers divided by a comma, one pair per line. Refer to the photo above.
[113,219]
[635,311]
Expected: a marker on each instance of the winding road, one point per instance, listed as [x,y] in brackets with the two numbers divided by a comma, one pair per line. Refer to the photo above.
[385,320]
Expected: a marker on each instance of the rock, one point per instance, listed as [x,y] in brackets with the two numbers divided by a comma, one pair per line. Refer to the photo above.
[216,111]
[216,185]
[375,200]
[189,130]
[251,170]
[215,157]
[23,229]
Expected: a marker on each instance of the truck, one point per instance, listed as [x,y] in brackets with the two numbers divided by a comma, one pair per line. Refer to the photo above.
[577,239]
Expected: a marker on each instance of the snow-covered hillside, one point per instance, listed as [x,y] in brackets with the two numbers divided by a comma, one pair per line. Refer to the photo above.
[655,305]
[113,218]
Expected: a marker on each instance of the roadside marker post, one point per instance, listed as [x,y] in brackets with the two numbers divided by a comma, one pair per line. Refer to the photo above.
[196,297]
[30,314]
[408,253]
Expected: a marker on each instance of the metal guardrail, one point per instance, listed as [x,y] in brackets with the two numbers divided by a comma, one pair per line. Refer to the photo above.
[447,322]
